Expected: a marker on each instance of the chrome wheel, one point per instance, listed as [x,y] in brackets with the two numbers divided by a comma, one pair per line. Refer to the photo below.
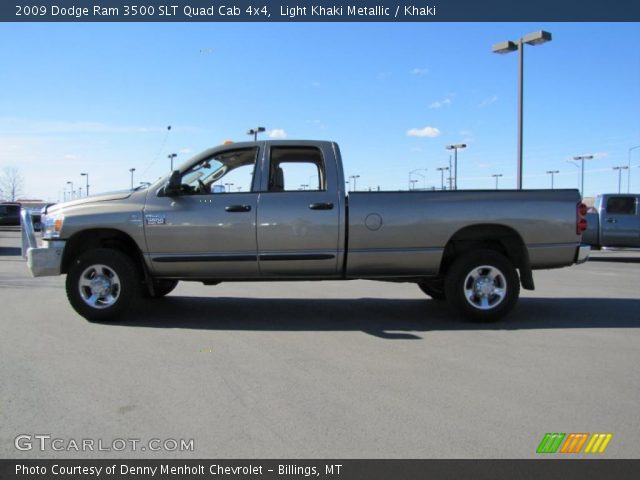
[485,287]
[99,286]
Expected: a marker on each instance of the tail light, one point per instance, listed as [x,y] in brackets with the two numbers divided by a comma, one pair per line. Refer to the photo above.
[581,221]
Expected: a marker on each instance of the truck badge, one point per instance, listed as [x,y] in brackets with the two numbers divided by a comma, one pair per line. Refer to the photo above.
[155,219]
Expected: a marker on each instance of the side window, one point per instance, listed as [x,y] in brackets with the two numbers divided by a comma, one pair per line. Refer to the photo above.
[237,180]
[296,169]
[229,171]
[621,205]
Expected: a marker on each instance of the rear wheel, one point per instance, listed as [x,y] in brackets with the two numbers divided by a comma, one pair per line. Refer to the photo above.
[434,288]
[482,285]
[102,283]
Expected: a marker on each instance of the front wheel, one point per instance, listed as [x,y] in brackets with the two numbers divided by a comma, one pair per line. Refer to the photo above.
[102,283]
[482,285]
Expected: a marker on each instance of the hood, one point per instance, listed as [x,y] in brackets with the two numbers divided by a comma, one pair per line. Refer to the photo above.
[102,197]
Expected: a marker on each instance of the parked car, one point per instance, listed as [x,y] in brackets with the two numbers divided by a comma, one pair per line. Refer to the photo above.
[614,221]
[472,248]
[9,213]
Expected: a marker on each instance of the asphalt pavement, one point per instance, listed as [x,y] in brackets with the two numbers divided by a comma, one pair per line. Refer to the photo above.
[320,370]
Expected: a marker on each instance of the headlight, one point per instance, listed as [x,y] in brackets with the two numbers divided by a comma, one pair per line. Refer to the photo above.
[51,225]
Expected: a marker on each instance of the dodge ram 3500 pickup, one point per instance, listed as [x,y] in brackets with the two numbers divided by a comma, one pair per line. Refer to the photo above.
[278,210]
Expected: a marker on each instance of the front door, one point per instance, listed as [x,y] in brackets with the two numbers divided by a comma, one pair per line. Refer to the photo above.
[208,230]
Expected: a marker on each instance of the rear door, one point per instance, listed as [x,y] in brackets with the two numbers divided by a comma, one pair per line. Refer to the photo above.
[621,222]
[299,212]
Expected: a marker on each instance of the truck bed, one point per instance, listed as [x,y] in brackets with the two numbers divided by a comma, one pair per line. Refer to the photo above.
[407,232]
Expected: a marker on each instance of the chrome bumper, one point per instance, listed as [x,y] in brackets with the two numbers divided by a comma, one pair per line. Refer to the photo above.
[42,261]
[582,255]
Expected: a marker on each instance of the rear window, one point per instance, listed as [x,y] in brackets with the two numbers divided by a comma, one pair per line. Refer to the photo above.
[621,205]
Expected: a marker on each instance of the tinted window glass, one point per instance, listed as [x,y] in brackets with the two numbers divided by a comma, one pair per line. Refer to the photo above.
[621,205]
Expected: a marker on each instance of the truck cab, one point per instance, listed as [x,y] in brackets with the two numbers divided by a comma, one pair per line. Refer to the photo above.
[614,221]
[268,210]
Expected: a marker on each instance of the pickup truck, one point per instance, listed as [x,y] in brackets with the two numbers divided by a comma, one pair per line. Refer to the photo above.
[290,218]
[614,221]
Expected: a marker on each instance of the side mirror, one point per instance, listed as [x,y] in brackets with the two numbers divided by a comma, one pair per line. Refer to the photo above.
[172,187]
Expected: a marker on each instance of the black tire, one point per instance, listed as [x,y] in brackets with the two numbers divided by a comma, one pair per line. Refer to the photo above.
[102,283]
[434,288]
[482,285]
[161,288]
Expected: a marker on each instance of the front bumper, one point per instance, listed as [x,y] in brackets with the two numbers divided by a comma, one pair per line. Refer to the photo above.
[582,254]
[42,261]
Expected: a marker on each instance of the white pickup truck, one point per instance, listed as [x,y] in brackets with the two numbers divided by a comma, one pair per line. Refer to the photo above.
[278,210]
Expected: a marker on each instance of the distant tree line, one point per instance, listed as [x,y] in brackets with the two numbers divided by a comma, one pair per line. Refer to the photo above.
[11,184]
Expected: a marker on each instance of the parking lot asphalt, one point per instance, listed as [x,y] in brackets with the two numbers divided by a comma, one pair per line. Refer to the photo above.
[322,370]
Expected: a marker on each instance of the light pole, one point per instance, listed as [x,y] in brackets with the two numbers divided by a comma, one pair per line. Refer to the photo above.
[132,170]
[412,184]
[255,132]
[71,183]
[629,168]
[497,177]
[552,173]
[87,185]
[171,156]
[228,187]
[534,38]
[442,170]
[424,178]
[355,177]
[582,158]
[455,148]
[304,186]
[619,169]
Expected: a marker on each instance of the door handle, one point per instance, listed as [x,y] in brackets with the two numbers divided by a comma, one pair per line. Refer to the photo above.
[321,206]
[237,208]
[611,220]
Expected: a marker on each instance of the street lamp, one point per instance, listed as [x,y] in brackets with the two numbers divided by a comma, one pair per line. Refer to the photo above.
[629,168]
[582,158]
[132,170]
[71,183]
[424,178]
[619,169]
[412,184]
[228,187]
[87,185]
[442,170]
[171,156]
[552,173]
[534,38]
[355,177]
[455,148]
[497,177]
[255,132]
